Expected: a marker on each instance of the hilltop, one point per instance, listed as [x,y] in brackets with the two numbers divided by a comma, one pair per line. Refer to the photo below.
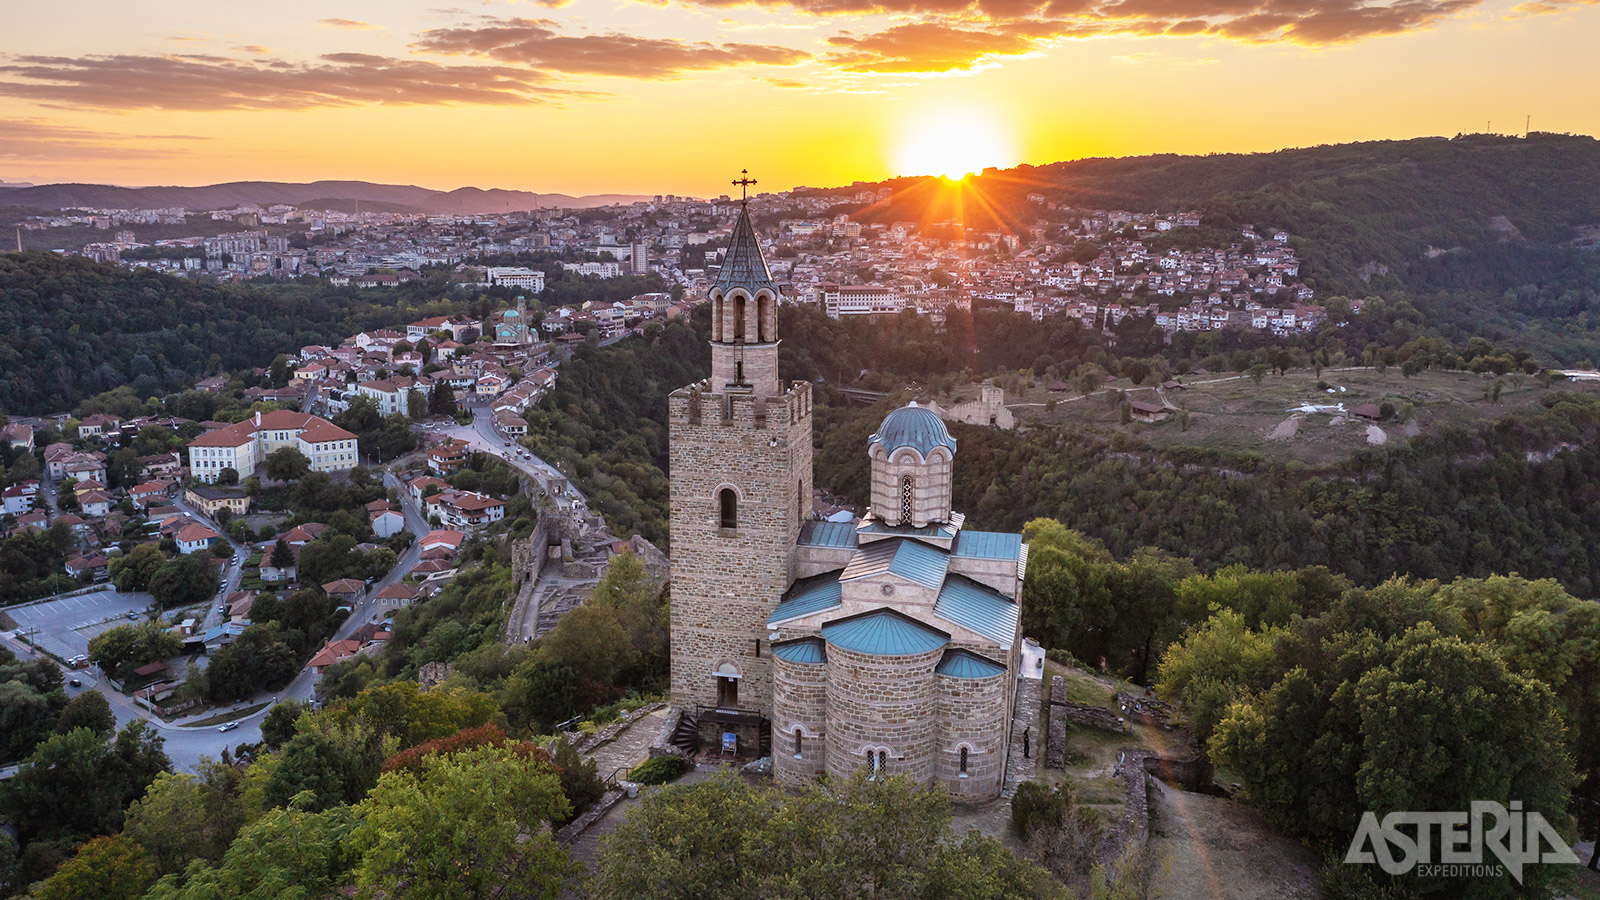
[317,194]
[1384,202]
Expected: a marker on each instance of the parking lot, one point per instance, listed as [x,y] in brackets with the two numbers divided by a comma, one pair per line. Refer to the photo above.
[65,626]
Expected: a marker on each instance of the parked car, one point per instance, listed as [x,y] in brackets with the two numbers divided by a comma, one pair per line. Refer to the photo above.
[229,726]
[75,682]
[133,614]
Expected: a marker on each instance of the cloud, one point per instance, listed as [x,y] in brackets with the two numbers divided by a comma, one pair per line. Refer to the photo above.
[1545,7]
[924,47]
[935,36]
[349,24]
[204,82]
[535,43]
[39,139]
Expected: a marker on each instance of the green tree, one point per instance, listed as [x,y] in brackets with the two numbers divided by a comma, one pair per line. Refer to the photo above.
[473,824]
[122,648]
[282,556]
[26,716]
[286,464]
[258,660]
[411,715]
[591,642]
[78,784]
[538,694]
[416,404]
[279,725]
[228,476]
[90,710]
[183,817]
[332,765]
[852,839]
[292,853]
[105,868]
[441,400]
[184,581]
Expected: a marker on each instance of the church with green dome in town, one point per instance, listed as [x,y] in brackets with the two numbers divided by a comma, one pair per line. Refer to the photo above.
[891,643]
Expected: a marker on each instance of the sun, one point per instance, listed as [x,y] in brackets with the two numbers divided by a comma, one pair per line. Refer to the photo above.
[955,144]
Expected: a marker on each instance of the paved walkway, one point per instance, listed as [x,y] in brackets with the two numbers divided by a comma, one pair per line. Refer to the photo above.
[631,748]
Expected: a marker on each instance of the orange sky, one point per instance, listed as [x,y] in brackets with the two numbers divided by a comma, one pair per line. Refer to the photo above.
[589,96]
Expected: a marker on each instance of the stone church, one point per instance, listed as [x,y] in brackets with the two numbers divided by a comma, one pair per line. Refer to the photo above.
[890,644]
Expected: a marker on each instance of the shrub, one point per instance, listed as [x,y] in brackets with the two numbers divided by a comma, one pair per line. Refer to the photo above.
[580,777]
[1036,805]
[659,770]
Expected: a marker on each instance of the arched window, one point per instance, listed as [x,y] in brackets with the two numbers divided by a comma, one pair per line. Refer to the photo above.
[907,491]
[738,318]
[883,762]
[763,310]
[872,765]
[963,762]
[799,744]
[728,507]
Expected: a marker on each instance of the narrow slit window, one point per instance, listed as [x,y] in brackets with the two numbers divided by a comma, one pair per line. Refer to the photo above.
[728,508]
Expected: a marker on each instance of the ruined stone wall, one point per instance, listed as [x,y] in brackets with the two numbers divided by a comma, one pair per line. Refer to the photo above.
[1086,715]
[972,715]
[528,555]
[882,702]
[799,701]
[726,581]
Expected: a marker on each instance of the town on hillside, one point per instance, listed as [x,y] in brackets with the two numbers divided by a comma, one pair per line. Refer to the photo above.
[1098,266]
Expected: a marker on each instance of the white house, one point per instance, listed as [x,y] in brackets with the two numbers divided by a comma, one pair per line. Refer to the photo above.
[194,538]
[387,523]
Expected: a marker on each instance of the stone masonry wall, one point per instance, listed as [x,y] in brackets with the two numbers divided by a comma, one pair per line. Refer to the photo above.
[887,702]
[931,486]
[725,582]
[799,700]
[972,714]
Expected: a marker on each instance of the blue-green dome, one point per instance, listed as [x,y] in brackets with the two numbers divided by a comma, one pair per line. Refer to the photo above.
[917,427]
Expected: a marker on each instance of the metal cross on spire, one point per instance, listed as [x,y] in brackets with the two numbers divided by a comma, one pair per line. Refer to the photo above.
[744,181]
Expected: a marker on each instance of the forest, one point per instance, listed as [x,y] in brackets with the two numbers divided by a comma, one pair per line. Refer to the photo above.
[1326,699]
[1458,502]
[73,328]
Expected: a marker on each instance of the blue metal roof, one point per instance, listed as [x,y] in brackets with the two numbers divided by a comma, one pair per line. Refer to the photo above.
[878,526]
[911,560]
[744,266]
[883,632]
[809,651]
[963,664]
[828,534]
[987,545]
[913,426]
[807,596]
[978,608]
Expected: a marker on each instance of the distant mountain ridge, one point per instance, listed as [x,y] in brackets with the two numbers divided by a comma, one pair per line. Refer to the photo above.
[461,201]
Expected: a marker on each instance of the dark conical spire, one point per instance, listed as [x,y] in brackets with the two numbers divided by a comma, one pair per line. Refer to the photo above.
[744,266]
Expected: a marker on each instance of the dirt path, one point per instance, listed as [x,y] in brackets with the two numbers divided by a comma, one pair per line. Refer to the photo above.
[1211,848]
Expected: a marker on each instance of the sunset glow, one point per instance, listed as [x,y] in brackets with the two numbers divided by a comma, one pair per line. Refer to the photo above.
[954,144]
[631,96]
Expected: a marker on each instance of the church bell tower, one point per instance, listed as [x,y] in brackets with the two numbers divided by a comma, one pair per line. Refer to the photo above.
[740,468]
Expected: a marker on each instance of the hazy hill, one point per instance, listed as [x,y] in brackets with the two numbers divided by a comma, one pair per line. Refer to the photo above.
[403,197]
